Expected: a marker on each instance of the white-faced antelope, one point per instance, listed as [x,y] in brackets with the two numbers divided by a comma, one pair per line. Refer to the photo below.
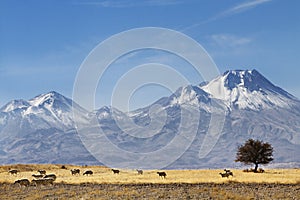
[75,171]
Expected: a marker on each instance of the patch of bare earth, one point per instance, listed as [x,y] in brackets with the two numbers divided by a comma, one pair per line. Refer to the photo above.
[84,191]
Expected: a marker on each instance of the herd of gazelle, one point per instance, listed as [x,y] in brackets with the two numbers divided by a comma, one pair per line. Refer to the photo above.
[39,179]
[47,179]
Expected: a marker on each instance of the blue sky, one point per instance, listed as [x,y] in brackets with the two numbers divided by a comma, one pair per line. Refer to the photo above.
[43,43]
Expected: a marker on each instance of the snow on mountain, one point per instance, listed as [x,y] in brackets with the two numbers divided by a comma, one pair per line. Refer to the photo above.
[15,104]
[248,89]
[40,129]
[50,110]
[43,130]
[253,106]
[104,112]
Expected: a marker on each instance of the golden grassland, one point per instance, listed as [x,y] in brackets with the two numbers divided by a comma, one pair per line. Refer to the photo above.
[179,184]
[128,176]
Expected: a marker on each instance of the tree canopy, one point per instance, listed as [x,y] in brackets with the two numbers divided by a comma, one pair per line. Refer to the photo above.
[255,152]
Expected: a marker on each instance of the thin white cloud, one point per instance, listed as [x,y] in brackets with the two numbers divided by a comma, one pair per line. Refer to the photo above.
[225,45]
[231,11]
[228,40]
[131,3]
[239,8]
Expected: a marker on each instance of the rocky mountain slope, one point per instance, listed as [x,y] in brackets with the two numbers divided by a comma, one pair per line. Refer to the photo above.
[211,119]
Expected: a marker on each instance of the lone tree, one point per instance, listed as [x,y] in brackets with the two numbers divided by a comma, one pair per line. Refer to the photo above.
[255,152]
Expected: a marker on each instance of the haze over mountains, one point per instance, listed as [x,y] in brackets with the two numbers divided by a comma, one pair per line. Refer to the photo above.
[42,130]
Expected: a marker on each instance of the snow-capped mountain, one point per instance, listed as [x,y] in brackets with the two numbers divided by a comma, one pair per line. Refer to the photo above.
[243,102]
[248,89]
[53,110]
[41,130]
[252,106]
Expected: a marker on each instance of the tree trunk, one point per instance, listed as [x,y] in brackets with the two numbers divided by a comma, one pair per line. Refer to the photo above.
[256,166]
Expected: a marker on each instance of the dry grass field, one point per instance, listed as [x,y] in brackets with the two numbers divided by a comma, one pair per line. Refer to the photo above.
[179,184]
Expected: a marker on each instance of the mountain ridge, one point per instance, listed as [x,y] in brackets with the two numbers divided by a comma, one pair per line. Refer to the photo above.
[248,89]
[252,107]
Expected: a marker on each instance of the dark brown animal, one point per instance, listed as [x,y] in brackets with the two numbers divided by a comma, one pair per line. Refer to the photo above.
[75,171]
[44,181]
[230,173]
[38,175]
[224,175]
[88,172]
[13,171]
[41,171]
[22,182]
[162,174]
[53,176]
[115,171]
[139,171]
